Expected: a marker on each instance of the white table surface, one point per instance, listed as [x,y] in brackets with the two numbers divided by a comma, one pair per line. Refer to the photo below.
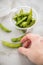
[11,56]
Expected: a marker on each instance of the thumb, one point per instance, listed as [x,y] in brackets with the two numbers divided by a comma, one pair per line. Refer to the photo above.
[23,51]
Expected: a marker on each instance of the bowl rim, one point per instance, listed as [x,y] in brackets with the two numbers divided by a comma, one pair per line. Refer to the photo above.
[17,8]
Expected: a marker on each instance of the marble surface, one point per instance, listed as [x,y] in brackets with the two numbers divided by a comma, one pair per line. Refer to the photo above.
[11,56]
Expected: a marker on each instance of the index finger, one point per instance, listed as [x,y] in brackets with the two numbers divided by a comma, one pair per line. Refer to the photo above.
[26,37]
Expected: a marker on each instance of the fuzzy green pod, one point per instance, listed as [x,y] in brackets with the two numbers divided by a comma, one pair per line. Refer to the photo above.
[31,23]
[30,12]
[11,45]
[23,19]
[24,24]
[15,18]
[16,39]
[4,28]
[21,12]
[29,17]
[0,25]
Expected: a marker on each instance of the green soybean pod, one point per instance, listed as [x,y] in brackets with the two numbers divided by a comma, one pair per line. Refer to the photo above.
[29,17]
[18,19]
[11,45]
[32,22]
[23,19]
[0,25]
[15,18]
[30,12]
[24,24]
[23,14]
[21,11]
[4,29]
[16,39]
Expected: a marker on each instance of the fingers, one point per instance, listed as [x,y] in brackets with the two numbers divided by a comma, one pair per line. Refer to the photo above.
[23,51]
[26,40]
[27,37]
[27,44]
[32,37]
[41,39]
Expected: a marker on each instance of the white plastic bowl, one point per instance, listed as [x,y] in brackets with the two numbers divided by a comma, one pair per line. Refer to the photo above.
[25,8]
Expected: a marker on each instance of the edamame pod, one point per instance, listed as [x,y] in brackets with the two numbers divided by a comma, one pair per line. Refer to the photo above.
[11,45]
[33,22]
[0,25]
[21,11]
[24,24]
[15,18]
[23,19]
[16,39]
[18,19]
[29,17]
[4,29]
[30,13]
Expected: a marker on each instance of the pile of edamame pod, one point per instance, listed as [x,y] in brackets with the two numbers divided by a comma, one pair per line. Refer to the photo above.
[15,41]
[24,19]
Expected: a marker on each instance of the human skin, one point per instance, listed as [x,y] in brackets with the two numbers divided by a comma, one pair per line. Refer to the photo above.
[35,51]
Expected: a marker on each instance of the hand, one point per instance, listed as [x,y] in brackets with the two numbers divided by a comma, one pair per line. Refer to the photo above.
[35,51]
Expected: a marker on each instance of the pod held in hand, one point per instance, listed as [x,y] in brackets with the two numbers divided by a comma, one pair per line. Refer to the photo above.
[16,39]
[11,45]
